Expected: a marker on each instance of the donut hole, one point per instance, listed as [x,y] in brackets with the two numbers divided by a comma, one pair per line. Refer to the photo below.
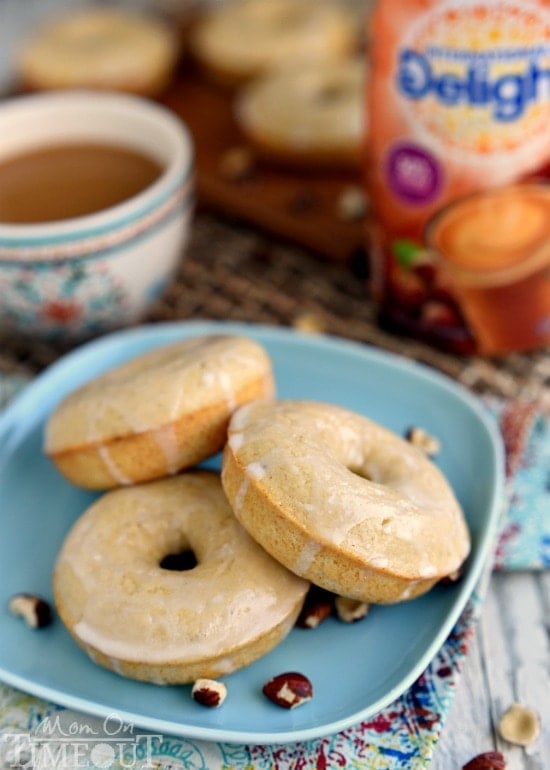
[179,561]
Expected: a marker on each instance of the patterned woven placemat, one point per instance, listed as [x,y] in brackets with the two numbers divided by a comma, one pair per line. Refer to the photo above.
[234,272]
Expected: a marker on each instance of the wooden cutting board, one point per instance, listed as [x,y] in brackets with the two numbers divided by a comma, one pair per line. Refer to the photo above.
[300,206]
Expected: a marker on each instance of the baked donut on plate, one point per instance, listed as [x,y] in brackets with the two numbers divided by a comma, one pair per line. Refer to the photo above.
[158,413]
[308,115]
[341,500]
[236,41]
[105,48]
[171,626]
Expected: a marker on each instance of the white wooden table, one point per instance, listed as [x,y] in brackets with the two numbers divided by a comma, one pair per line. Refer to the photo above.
[508,662]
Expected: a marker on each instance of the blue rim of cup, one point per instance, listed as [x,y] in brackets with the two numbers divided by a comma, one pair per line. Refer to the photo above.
[99,241]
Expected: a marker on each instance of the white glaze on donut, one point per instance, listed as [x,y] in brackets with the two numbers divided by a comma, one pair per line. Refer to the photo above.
[307,555]
[342,484]
[176,399]
[166,439]
[152,390]
[117,601]
[112,467]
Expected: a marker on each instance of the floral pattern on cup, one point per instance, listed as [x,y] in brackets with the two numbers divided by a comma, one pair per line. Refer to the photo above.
[72,279]
[86,298]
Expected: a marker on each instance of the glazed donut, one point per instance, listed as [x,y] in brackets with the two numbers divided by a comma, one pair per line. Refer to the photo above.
[312,114]
[341,500]
[158,413]
[241,40]
[168,626]
[104,48]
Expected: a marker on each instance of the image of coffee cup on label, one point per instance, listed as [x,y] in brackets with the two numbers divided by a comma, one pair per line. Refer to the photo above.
[495,248]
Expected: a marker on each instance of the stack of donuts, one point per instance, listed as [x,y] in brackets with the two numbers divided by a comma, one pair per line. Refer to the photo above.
[177,573]
[295,68]
[296,72]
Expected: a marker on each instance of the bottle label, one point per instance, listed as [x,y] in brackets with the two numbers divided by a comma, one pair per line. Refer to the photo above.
[459,171]
[475,77]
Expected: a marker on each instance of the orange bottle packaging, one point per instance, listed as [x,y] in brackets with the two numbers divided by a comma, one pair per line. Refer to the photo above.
[458,171]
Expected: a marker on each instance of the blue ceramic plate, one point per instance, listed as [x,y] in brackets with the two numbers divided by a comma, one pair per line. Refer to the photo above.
[356,669]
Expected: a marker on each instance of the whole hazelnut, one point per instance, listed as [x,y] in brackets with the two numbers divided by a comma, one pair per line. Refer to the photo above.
[33,609]
[209,692]
[288,690]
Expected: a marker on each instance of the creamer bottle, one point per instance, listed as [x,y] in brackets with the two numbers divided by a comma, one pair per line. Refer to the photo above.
[458,170]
